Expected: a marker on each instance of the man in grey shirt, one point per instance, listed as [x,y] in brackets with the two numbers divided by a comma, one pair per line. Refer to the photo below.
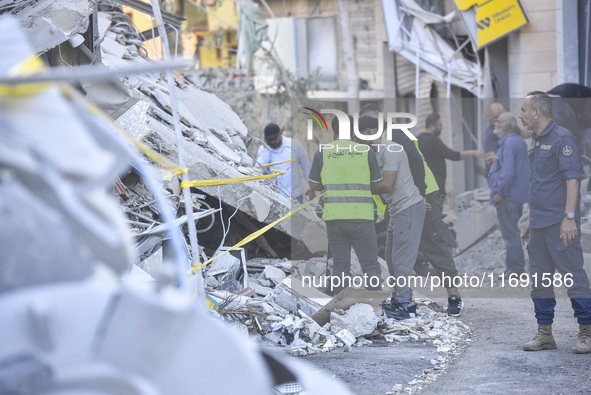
[407,214]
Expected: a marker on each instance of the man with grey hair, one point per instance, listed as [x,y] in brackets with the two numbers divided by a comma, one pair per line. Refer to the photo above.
[490,141]
[508,179]
[553,228]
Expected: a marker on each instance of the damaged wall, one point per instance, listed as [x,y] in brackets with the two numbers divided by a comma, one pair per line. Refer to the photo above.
[49,23]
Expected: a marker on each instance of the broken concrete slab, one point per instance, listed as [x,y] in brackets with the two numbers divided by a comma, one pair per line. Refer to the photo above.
[261,289]
[346,337]
[315,267]
[211,282]
[347,298]
[49,23]
[135,120]
[360,319]
[221,148]
[260,205]
[223,264]
[111,46]
[273,274]
[211,111]
[292,296]
[237,142]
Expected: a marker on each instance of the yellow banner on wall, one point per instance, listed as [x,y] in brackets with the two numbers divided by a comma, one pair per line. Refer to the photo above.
[495,18]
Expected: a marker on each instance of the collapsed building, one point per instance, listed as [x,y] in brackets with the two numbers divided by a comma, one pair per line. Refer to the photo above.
[77,322]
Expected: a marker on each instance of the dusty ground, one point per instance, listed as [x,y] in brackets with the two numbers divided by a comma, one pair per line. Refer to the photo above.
[496,363]
[376,369]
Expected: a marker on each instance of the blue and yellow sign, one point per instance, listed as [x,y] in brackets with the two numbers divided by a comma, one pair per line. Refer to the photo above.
[494,18]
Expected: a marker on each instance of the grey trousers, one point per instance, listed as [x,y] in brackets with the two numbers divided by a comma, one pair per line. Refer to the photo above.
[402,247]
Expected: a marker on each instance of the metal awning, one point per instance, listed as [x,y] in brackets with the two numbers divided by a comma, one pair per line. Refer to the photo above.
[410,34]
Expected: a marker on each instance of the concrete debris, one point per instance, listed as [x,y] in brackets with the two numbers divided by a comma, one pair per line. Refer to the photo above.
[281,311]
[261,206]
[486,256]
[211,282]
[346,337]
[287,319]
[220,147]
[347,298]
[261,289]
[315,267]
[273,274]
[360,320]
[216,138]
[475,217]
[223,264]
[49,23]
[286,324]
[291,299]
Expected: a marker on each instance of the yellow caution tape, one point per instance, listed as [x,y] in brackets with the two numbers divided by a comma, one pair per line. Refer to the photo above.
[30,66]
[254,235]
[212,303]
[176,173]
[276,163]
[227,181]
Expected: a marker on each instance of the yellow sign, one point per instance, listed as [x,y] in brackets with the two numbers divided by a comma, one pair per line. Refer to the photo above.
[495,18]
[464,5]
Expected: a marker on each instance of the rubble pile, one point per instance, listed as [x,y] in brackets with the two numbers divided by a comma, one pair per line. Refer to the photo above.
[279,315]
[215,147]
[486,256]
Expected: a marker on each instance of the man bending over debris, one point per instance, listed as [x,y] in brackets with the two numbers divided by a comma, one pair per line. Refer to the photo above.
[407,214]
[282,149]
[349,173]
[433,245]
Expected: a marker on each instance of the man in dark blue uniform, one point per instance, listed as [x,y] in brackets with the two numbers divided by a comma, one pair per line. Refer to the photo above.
[556,256]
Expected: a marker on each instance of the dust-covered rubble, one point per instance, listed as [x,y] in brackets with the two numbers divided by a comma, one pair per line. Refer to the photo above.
[271,320]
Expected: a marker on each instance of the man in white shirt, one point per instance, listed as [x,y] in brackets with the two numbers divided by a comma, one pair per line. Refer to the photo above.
[284,149]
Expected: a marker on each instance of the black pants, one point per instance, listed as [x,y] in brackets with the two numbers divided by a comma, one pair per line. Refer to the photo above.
[433,245]
[361,235]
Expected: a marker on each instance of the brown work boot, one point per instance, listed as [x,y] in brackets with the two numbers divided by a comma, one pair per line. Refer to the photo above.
[584,340]
[543,340]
